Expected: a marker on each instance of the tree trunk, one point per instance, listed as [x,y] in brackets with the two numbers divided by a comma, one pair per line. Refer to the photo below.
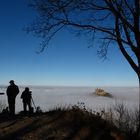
[139,96]
[138,129]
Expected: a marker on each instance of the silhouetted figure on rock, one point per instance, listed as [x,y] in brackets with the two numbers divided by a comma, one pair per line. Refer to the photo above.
[26,98]
[12,92]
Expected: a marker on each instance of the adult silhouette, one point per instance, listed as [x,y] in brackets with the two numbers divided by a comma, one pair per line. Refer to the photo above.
[12,91]
[26,98]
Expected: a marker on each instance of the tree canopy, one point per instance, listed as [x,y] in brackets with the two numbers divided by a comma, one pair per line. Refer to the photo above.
[112,21]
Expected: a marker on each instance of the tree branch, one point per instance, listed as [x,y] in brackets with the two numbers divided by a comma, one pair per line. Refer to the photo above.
[124,52]
[118,14]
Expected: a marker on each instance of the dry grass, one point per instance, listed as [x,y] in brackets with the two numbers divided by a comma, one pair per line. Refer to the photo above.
[59,124]
[126,120]
[71,123]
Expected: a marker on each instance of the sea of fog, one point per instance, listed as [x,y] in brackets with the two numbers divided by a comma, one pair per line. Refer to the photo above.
[49,97]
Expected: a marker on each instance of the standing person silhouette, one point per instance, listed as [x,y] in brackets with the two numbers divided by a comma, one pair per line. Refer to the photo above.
[12,92]
[26,98]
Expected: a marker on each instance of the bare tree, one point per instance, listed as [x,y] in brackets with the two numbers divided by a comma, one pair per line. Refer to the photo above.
[115,22]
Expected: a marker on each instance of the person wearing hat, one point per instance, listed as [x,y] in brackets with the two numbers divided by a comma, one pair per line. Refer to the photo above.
[26,97]
[12,91]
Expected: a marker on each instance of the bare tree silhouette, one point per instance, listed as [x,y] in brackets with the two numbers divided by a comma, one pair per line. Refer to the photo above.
[115,22]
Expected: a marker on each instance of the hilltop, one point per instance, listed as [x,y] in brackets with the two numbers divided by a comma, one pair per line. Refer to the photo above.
[58,124]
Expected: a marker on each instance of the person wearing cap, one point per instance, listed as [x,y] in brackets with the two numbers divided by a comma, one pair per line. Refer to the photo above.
[12,92]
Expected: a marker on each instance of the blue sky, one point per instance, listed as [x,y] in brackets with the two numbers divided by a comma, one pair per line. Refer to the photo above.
[67,61]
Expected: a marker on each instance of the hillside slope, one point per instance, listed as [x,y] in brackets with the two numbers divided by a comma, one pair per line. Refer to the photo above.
[73,124]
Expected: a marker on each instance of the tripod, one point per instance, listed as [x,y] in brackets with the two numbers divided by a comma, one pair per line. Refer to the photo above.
[33,103]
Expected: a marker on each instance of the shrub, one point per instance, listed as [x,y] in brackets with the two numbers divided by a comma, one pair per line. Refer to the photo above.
[126,120]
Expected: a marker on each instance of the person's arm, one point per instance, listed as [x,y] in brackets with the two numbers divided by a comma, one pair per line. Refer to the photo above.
[21,96]
[7,91]
[17,89]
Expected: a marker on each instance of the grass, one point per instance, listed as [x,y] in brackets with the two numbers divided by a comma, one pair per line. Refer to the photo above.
[73,123]
[118,116]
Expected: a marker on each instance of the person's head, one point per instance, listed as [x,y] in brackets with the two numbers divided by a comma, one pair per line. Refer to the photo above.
[27,89]
[11,82]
